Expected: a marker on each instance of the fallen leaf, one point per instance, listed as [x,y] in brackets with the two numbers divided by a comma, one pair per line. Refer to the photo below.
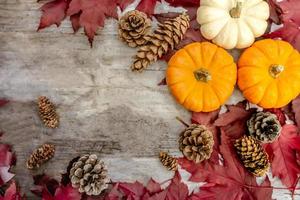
[12,193]
[279,113]
[67,193]
[227,181]
[283,151]
[274,13]
[162,82]
[290,11]
[135,189]
[44,185]
[3,102]
[153,186]
[113,194]
[5,175]
[184,3]
[147,6]
[177,190]
[53,12]
[93,14]
[290,32]
[296,110]
[124,3]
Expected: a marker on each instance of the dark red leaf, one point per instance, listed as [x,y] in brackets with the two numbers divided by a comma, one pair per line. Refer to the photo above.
[279,113]
[284,160]
[153,186]
[3,102]
[227,181]
[290,11]
[290,32]
[12,193]
[296,110]
[177,190]
[113,194]
[162,82]
[53,13]
[132,189]
[184,3]
[67,193]
[7,159]
[44,184]
[5,175]
[75,21]
[124,3]
[147,6]
[274,13]
[93,14]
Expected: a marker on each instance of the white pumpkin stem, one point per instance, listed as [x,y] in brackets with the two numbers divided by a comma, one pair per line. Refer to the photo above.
[275,70]
[237,10]
[202,75]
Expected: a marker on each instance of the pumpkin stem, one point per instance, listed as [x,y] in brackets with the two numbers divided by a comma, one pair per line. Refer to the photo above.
[183,122]
[236,11]
[202,75]
[275,70]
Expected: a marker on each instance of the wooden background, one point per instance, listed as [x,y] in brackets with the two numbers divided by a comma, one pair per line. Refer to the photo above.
[104,108]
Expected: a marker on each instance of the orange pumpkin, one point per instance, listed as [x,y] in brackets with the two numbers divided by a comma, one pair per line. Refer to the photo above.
[269,73]
[201,76]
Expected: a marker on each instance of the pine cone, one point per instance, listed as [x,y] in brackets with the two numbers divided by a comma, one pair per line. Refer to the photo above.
[133,27]
[47,112]
[164,38]
[89,175]
[264,126]
[252,155]
[40,156]
[196,143]
[168,161]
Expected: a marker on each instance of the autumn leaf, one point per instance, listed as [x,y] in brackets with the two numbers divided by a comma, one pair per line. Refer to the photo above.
[12,193]
[93,14]
[135,190]
[290,11]
[124,3]
[279,113]
[147,6]
[3,102]
[227,181]
[274,13]
[290,32]
[162,82]
[53,13]
[177,190]
[153,187]
[296,110]
[233,122]
[283,152]
[184,3]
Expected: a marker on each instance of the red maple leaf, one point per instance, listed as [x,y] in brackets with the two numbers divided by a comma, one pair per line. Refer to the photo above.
[233,122]
[124,3]
[283,152]
[274,13]
[184,3]
[227,181]
[153,186]
[290,10]
[296,110]
[3,102]
[93,14]
[279,113]
[177,190]
[290,32]
[147,6]
[135,190]
[53,13]
[12,193]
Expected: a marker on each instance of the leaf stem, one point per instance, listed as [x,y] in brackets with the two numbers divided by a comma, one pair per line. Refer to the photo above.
[183,122]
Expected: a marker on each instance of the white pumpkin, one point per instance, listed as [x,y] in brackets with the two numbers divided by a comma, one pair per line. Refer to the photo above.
[233,23]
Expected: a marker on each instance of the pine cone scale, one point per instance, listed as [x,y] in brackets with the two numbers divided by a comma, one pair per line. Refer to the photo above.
[40,156]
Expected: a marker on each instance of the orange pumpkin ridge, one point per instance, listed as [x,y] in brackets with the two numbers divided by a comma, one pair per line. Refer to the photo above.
[201,76]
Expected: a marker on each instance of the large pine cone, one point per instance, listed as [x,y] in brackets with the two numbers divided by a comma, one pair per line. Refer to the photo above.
[164,38]
[133,27]
[47,112]
[264,126]
[89,175]
[40,156]
[196,143]
[252,155]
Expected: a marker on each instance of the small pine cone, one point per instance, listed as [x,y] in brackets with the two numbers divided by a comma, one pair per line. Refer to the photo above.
[164,38]
[196,143]
[40,156]
[133,27]
[252,155]
[89,175]
[264,126]
[168,161]
[47,112]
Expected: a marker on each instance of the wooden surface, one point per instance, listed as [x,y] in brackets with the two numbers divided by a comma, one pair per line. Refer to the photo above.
[104,108]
